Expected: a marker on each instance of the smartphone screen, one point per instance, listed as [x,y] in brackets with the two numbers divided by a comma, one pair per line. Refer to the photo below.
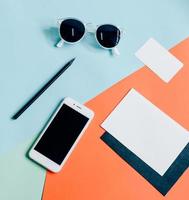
[61,134]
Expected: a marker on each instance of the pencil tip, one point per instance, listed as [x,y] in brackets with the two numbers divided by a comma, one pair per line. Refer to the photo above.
[73,59]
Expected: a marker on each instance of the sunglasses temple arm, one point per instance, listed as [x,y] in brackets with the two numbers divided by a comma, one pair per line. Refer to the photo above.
[115,51]
[60,43]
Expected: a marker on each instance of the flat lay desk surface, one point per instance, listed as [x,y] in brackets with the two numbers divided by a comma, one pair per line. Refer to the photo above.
[28,59]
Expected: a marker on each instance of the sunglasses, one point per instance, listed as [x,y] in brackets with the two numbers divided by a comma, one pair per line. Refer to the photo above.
[72,30]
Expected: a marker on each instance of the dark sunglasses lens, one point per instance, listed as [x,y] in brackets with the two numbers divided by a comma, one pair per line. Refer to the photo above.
[108,35]
[72,30]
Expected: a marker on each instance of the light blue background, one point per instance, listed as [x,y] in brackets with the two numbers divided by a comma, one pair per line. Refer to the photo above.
[29,58]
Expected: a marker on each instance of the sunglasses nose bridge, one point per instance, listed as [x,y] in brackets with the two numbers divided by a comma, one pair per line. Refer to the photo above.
[90,27]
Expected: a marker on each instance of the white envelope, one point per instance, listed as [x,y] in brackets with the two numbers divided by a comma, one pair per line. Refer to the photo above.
[147,131]
[159,60]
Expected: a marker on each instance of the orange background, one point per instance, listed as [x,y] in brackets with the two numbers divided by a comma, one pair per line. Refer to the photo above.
[94,171]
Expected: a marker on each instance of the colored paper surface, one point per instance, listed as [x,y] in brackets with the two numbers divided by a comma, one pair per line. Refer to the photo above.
[143,128]
[94,171]
[159,60]
[20,178]
[29,58]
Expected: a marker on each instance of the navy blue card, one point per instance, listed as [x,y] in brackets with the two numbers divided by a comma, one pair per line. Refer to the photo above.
[162,183]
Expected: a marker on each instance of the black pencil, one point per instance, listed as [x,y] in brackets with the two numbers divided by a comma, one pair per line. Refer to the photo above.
[59,73]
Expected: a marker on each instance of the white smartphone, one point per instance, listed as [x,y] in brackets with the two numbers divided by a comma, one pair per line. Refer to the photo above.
[61,135]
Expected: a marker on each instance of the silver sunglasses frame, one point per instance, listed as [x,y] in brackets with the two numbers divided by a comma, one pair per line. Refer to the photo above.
[89,28]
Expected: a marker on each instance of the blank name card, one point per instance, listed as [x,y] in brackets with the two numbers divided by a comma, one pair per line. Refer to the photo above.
[159,60]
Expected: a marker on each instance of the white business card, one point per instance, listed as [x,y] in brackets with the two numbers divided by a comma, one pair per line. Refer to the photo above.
[159,60]
[147,131]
